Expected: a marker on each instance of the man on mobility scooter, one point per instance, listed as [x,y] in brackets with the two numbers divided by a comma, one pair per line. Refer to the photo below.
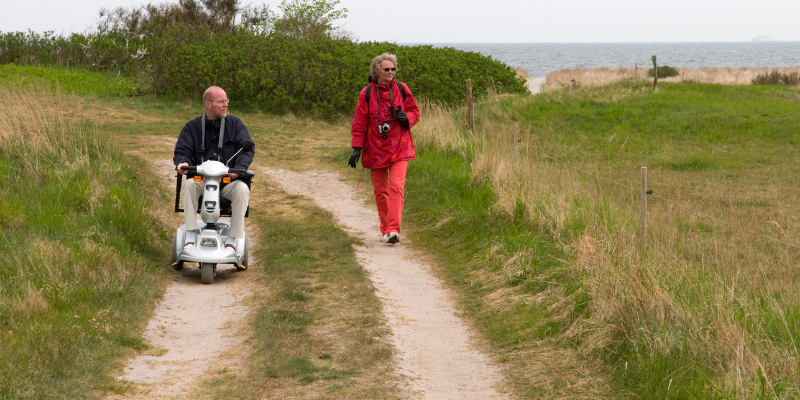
[215,149]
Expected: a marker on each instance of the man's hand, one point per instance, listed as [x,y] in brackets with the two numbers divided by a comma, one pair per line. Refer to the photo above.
[354,157]
[181,171]
[233,176]
[402,117]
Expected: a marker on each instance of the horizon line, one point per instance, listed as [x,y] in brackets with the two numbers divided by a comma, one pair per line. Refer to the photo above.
[667,42]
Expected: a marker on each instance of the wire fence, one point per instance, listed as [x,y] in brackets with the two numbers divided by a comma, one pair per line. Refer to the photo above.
[685,207]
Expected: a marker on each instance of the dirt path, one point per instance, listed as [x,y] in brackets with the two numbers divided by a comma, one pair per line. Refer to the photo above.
[195,329]
[193,326]
[535,84]
[434,345]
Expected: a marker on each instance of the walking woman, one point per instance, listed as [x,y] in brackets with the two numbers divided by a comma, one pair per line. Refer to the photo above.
[381,138]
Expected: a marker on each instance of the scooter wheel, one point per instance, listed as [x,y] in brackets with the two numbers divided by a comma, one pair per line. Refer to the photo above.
[207,273]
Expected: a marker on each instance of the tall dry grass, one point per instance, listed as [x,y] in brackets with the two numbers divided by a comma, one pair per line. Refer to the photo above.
[630,288]
[41,122]
[437,128]
[724,303]
[595,77]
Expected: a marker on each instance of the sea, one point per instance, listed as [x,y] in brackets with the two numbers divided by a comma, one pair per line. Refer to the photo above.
[539,59]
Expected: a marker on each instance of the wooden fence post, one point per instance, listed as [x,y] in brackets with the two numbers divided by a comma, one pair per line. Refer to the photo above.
[570,82]
[636,71]
[643,219]
[655,73]
[470,109]
[516,142]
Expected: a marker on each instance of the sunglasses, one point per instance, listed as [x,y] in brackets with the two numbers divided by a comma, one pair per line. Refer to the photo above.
[390,69]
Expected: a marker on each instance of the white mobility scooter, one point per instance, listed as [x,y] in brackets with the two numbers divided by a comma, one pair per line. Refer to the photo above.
[209,250]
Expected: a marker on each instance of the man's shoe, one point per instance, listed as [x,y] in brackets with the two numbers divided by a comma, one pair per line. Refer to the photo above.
[385,238]
[393,238]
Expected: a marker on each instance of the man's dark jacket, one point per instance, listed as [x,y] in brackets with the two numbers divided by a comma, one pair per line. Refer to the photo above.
[188,147]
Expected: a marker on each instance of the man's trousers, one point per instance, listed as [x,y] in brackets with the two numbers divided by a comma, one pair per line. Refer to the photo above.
[237,192]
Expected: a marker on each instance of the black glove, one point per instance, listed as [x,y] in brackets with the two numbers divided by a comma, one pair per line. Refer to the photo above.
[354,157]
[402,117]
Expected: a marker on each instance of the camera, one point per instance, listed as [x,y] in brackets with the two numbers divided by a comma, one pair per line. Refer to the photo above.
[383,128]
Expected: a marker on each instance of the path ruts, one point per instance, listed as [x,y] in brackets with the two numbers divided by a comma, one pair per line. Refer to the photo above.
[433,343]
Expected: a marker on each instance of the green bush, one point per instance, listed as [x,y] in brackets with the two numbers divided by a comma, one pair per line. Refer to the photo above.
[777,78]
[317,75]
[664,71]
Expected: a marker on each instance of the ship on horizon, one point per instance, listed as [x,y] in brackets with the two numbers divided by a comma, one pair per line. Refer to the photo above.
[766,38]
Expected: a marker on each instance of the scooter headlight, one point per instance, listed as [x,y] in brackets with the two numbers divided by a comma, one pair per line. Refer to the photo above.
[208,242]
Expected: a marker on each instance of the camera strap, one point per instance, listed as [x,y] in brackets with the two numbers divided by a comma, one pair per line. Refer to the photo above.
[391,101]
[400,86]
[203,138]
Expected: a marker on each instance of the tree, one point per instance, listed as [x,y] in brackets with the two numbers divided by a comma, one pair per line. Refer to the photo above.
[222,16]
[305,19]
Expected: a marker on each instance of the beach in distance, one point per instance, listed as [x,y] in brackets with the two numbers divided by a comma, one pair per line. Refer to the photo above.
[540,59]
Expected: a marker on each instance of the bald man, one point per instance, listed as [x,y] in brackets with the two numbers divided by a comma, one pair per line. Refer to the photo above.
[192,150]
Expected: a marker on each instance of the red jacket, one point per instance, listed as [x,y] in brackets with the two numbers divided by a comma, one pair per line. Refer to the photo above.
[377,152]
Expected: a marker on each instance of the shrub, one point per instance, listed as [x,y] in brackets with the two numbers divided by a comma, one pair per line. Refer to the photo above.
[664,71]
[317,75]
[777,78]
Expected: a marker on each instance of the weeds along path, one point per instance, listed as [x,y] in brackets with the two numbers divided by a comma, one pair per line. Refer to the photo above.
[434,345]
[196,327]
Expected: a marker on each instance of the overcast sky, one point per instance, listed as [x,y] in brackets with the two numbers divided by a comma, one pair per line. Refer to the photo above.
[497,21]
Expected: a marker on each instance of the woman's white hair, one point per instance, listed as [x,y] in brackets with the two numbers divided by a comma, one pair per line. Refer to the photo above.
[375,65]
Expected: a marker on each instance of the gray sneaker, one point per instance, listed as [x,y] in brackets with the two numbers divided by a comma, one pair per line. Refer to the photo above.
[393,238]
[385,238]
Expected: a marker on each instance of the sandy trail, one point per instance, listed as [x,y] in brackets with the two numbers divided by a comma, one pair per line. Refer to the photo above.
[535,84]
[433,343]
[194,324]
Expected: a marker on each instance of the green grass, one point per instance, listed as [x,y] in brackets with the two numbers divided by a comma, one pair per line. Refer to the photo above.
[84,262]
[75,81]
[683,126]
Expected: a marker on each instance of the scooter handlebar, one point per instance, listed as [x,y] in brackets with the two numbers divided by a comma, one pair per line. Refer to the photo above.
[188,168]
[239,171]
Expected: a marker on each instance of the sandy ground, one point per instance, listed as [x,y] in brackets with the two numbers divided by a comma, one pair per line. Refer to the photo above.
[435,346]
[535,84]
[193,326]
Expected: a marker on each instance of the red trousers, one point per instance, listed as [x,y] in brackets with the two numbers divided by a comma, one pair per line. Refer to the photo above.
[388,185]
